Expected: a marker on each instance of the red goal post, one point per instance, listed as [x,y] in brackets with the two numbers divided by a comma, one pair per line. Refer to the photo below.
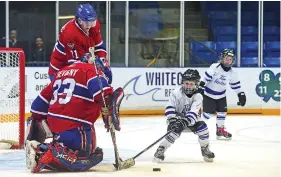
[12,98]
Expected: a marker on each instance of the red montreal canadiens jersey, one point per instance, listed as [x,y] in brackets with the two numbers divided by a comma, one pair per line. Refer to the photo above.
[73,43]
[72,99]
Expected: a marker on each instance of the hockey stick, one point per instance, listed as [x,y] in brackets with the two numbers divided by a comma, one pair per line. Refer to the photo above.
[131,161]
[118,161]
[155,58]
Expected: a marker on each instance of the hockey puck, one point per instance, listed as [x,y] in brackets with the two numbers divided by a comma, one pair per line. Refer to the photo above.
[156,169]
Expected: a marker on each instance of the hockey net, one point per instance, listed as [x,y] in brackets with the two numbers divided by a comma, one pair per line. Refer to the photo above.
[12,98]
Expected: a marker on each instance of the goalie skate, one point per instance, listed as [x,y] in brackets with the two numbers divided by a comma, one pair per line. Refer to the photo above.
[159,154]
[222,134]
[207,154]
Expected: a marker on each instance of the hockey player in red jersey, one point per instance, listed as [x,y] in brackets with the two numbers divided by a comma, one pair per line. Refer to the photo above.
[60,132]
[74,40]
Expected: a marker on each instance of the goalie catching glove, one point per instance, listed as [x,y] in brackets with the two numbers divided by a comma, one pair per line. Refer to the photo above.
[38,130]
[110,114]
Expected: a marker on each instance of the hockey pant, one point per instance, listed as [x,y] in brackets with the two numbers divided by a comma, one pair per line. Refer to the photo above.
[72,150]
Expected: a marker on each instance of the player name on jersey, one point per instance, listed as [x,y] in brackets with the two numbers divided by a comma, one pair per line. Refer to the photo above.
[70,72]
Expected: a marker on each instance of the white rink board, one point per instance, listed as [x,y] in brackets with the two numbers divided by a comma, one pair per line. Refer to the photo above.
[149,88]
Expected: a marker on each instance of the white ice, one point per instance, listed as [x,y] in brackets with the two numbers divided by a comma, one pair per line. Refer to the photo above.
[253,151]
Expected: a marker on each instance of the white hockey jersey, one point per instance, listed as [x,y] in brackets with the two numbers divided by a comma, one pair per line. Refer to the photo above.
[188,107]
[216,80]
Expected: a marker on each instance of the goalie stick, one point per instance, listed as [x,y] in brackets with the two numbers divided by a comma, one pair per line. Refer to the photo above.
[119,164]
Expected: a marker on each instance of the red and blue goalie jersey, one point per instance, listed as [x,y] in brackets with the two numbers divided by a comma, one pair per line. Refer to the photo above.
[72,99]
[73,43]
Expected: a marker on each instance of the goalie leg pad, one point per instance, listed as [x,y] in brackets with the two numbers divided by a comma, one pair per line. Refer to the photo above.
[38,130]
[114,105]
[30,153]
[61,158]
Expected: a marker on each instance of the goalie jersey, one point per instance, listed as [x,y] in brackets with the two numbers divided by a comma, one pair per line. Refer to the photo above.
[188,107]
[216,80]
[73,43]
[72,99]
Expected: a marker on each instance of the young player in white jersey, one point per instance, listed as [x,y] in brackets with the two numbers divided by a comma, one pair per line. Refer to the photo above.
[183,115]
[215,81]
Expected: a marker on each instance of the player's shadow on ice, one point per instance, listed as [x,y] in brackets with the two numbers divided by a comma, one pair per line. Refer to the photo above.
[181,162]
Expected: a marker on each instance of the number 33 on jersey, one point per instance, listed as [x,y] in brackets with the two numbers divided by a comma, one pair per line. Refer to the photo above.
[72,98]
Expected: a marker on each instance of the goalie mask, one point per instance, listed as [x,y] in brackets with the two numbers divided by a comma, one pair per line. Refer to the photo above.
[190,81]
[227,58]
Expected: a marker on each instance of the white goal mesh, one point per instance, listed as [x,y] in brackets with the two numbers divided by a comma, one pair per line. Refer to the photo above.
[12,90]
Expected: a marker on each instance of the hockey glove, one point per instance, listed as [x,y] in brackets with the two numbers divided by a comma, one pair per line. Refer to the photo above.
[171,121]
[201,84]
[38,130]
[242,99]
[201,88]
[178,125]
[86,57]
[110,114]
[102,63]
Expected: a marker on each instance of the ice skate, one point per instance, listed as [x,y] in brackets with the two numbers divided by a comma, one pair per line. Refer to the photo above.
[207,154]
[159,154]
[222,134]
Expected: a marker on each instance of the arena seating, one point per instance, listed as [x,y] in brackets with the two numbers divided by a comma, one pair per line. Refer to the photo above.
[222,23]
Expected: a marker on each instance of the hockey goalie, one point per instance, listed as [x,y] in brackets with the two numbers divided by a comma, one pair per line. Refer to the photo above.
[60,133]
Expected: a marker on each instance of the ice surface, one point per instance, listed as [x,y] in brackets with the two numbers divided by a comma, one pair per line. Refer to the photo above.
[253,151]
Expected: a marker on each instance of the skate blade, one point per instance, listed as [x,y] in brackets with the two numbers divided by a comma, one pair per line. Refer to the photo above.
[223,138]
[209,160]
[157,160]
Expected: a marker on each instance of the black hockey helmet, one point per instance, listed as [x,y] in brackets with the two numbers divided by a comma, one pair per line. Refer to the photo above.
[227,53]
[191,75]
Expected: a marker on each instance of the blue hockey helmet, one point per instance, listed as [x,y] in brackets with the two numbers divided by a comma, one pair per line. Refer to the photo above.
[86,12]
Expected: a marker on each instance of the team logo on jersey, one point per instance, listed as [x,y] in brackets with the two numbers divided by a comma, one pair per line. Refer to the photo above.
[222,77]
[186,108]
[221,80]
[70,45]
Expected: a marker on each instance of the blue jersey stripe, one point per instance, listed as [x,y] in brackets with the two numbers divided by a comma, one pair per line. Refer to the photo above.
[212,92]
[40,105]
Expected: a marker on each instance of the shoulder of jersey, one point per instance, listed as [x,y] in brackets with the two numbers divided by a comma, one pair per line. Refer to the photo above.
[177,91]
[83,66]
[70,28]
[215,64]
[198,96]
[96,27]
